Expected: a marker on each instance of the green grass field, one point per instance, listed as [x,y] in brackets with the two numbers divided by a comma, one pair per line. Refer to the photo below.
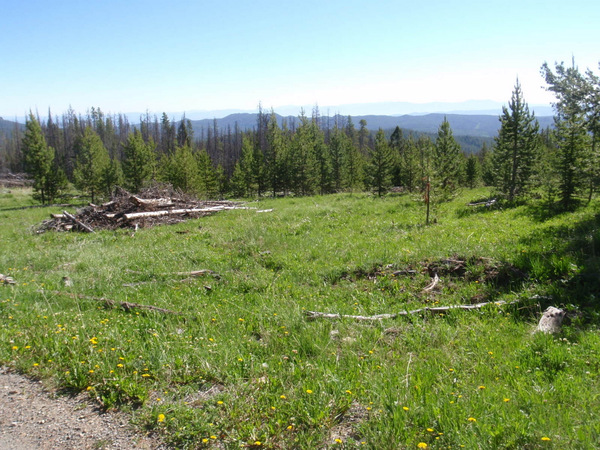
[240,365]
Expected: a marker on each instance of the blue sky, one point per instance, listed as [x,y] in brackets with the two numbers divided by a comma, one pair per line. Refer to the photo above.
[126,56]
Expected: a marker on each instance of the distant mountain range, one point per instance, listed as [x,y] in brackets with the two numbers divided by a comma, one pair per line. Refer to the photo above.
[473,129]
[461,124]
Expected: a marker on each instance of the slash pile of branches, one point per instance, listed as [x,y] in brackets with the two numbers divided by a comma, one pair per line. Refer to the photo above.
[156,205]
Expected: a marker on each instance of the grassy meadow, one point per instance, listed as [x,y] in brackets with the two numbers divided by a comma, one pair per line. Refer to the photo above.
[240,365]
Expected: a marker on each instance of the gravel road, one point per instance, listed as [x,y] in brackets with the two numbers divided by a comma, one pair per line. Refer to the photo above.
[31,417]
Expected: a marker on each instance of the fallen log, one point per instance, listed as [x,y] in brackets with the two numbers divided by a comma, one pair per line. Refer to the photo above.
[127,306]
[486,203]
[174,212]
[151,202]
[73,219]
[311,315]
[193,273]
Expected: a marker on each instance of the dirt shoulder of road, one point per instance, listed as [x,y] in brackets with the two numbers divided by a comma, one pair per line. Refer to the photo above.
[35,417]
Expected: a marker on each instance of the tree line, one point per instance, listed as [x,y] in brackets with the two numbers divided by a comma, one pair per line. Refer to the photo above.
[310,156]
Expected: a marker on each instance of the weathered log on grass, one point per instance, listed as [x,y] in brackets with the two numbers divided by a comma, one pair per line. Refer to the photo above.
[127,306]
[311,315]
[193,273]
[175,212]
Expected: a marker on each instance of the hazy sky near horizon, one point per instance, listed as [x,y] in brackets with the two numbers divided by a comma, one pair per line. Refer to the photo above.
[138,55]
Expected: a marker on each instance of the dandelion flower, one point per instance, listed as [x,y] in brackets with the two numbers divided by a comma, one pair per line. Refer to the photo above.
[348,391]
[422,445]
[506,400]
[257,443]
[219,402]
[309,391]
[338,440]
[282,397]
[405,408]
[204,441]
[15,347]
[545,438]
[161,418]
[472,419]
[481,387]
[430,429]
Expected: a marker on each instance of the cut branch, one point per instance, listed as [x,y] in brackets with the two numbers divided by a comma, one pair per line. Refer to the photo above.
[433,284]
[73,219]
[311,315]
[127,306]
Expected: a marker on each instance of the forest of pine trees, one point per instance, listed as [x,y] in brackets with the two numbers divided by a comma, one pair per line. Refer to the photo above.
[96,152]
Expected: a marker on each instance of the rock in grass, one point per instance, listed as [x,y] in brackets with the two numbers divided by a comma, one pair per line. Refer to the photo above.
[4,279]
[551,321]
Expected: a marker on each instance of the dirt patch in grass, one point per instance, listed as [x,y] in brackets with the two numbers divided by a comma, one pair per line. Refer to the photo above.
[346,424]
[473,268]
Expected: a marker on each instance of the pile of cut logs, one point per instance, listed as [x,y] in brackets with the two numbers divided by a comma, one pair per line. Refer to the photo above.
[135,211]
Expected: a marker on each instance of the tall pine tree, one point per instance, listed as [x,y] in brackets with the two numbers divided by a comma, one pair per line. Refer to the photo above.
[446,163]
[516,147]
[91,163]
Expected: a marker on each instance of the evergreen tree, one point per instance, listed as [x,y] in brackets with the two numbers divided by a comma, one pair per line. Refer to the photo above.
[322,160]
[485,163]
[185,133]
[167,135]
[275,156]
[396,145]
[302,161]
[112,176]
[246,172]
[39,162]
[380,164]
[138,162]
[572,142]
[446,163]
[207,177]
[182,170]
[571,132]
[91,163]
[339,145]
[516,147]
[472,171]
[363,138]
